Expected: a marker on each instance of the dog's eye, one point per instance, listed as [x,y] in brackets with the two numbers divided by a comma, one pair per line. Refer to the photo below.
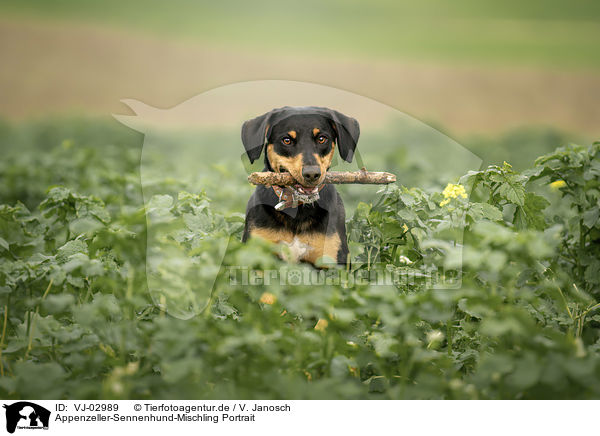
[322,139]
[286,141]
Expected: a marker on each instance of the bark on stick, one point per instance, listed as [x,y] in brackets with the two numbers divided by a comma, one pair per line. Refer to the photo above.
[333,177]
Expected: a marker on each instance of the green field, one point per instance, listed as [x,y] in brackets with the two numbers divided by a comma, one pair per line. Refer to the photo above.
[117,248]
[77,319]
[546,33]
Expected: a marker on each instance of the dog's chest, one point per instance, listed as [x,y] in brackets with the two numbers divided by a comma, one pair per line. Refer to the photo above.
[304,246]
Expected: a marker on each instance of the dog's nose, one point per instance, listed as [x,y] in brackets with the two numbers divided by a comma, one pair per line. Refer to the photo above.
[311,173]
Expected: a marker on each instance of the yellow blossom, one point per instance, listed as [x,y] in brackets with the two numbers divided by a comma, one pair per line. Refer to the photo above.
[267,298]
[452,191]
[557,184]
[321,325]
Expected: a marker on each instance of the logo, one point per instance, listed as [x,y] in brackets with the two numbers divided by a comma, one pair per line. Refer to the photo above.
[26,415]
[194,144]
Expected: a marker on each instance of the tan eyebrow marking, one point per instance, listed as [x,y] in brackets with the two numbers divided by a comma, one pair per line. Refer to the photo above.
[316,131]
[292,133]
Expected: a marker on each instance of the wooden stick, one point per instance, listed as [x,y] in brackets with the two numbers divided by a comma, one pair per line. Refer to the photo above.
[334,177]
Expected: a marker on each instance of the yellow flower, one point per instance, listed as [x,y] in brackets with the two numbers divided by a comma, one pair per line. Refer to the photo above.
[557,184]
[321,325]
[267,298]
[453,191]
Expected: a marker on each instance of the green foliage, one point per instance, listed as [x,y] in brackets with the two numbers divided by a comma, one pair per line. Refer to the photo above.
[78,320]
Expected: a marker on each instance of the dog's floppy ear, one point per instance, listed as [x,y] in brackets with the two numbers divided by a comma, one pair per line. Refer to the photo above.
[348,131]
[254,135]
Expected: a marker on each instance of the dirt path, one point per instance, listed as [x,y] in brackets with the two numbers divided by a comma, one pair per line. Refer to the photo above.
[65,68]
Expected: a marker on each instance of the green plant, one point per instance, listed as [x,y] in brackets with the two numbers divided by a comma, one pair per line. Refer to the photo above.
[77,319]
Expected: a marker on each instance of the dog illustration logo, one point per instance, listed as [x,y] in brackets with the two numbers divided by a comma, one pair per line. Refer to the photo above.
[26,415]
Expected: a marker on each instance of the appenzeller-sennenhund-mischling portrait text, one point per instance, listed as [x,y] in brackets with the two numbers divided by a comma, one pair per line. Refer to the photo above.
[309,216]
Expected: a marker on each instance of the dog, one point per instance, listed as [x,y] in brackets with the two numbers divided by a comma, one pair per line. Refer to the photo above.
[309,216]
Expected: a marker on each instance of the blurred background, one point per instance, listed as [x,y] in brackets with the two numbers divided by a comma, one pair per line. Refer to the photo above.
[439,87]
[509,80]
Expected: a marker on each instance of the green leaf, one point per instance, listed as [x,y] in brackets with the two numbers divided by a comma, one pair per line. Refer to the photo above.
[590,217]
[58,303]
[526,373]
[592,272]
[520,218]
[70,248]
[476,310]
[478,211]
[530,214]
[512,191]
[85,225]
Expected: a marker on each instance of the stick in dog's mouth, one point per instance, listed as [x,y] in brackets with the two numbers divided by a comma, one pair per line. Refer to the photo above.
[362,177]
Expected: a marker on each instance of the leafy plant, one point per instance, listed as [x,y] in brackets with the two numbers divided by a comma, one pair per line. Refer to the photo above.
[78,319]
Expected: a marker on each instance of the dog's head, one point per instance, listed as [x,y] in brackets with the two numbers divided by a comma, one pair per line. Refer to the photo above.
[301,141]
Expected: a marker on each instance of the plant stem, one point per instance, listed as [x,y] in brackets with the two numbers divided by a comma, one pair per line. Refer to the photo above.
[47,289]
[2,339]
[565,301]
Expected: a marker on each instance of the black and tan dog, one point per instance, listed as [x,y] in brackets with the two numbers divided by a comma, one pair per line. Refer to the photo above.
[309,216]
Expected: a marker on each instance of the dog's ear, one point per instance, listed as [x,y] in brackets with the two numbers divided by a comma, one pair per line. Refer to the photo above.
[348,131]
[254,135]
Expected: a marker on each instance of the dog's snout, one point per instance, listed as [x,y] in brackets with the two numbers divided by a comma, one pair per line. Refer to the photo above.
[311,173]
